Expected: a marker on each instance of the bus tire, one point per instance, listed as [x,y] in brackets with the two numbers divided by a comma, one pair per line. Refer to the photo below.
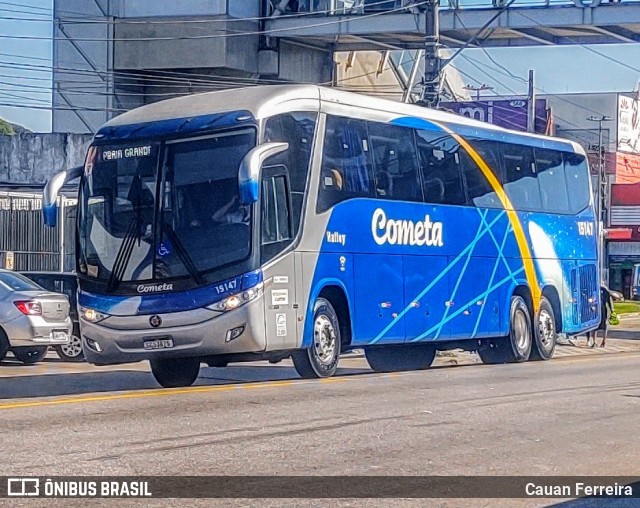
[175,372]
[400,357]
[321,359]
[515,347]
[544,332]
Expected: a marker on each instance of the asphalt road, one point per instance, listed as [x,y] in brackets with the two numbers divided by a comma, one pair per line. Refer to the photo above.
[576,415]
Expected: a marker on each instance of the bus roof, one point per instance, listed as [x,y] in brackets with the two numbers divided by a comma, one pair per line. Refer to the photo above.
[266,100]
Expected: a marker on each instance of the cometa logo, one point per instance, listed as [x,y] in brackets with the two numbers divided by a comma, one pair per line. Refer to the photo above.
[405,232]
[153,288]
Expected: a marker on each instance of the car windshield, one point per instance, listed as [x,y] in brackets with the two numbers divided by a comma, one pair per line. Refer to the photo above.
[18,282]
[156,211]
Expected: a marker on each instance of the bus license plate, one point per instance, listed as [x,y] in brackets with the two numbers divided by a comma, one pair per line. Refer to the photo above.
[158,344]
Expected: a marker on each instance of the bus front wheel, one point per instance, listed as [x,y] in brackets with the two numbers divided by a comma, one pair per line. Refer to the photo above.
[400,357]
[321,359]
[515,347]
[175,372]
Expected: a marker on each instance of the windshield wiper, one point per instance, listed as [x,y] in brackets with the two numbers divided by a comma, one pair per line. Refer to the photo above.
[124,254]
[183,254]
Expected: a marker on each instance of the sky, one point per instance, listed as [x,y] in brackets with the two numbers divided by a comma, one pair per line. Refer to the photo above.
[26,86]
[557,69]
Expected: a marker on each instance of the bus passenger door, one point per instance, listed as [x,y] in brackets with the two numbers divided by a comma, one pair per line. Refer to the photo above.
[426,290]
[379,302]
[280,303]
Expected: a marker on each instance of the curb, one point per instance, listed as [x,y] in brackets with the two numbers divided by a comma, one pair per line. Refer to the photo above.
[628,315]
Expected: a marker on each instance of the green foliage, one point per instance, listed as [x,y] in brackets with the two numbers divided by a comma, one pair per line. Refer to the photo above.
[627,307]
[6,128]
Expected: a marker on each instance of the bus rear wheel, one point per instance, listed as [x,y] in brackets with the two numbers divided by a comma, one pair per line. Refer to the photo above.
[515,347]
[175,372]
[400,357]
[321,359]
[544,332]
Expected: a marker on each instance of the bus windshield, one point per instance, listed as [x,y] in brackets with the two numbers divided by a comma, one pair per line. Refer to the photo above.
[157,211]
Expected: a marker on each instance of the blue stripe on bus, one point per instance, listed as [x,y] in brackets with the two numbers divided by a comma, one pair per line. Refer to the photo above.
[178,301]
[174,126]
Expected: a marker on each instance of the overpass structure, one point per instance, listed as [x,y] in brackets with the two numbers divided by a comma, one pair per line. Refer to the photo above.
[352,26]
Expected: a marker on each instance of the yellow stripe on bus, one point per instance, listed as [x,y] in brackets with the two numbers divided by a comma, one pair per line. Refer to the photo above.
[518,230]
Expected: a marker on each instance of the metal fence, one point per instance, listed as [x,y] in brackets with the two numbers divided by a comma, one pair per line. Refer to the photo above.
[27,244]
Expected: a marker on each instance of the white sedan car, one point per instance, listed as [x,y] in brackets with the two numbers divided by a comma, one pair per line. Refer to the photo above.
[31,318]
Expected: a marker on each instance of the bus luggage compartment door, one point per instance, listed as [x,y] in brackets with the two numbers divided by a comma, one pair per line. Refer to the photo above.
[426,290]
[379,301]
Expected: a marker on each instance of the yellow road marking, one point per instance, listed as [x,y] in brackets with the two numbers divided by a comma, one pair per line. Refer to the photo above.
[162,392]
[167,392]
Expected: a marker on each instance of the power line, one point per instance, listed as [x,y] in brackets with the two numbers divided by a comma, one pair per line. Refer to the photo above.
[228,33]
[84,19]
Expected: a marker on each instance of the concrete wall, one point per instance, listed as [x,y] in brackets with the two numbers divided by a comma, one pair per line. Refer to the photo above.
[33,158]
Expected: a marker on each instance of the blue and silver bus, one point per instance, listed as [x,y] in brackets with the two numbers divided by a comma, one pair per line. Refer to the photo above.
[299,221]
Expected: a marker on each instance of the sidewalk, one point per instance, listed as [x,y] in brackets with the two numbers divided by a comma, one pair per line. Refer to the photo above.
[562,351]
[458,357]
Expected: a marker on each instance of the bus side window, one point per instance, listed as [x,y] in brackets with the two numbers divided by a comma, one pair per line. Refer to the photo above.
[276,220]
[577,176]
[297,129]
[553,189]
[520,181]
[346,164]
[440,166]
[395,162]
[479,190]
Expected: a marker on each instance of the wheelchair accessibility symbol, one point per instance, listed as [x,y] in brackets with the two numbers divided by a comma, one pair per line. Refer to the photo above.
[163,250]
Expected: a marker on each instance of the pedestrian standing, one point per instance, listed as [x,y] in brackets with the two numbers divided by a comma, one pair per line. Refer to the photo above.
[606,309]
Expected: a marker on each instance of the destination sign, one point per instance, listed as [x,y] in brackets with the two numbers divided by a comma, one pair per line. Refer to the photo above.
[126,153]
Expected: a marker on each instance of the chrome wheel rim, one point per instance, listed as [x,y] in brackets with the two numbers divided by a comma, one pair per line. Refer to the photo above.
[546,328]
[521,331]
[324,340]
[73,348]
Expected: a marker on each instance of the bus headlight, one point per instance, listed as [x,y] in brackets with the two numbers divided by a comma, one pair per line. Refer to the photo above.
[238,299]
[91,315]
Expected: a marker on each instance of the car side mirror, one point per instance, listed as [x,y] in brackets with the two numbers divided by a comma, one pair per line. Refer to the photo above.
[249,173]
[51,191]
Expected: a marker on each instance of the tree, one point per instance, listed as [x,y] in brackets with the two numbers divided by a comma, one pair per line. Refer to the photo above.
[6,128]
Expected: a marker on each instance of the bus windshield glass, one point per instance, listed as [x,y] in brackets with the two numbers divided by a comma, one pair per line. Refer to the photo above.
[159,211]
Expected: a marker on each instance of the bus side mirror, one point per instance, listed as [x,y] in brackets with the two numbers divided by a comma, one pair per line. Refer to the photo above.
[249,174]
[51,191]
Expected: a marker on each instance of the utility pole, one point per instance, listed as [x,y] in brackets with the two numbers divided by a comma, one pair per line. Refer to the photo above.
[601,192]
[477,89]
[432,62]
[531,106]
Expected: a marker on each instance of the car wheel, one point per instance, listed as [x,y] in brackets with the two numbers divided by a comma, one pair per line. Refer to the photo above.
[321,359]
[4,344]
[175,372]
[29,354]
[71,352]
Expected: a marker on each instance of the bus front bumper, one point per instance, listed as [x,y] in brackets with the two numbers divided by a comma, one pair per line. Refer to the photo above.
[196,333]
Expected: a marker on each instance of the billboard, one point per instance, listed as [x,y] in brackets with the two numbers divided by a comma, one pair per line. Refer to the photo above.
[507,113]
[628,125]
